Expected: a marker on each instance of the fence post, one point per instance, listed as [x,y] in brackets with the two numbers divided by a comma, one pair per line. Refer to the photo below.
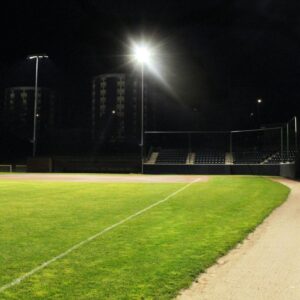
[296,134]
[281,143]
[190,146]
[287,138]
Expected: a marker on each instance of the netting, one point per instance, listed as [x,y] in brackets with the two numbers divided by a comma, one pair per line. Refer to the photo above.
[269,144]
[290,136]
[260,140]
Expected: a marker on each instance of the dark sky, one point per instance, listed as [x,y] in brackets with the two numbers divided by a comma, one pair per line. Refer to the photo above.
[220,55]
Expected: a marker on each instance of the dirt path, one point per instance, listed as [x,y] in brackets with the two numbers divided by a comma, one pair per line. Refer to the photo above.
[266,266]
[103,177]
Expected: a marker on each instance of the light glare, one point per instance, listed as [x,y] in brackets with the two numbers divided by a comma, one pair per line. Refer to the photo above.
[142,54]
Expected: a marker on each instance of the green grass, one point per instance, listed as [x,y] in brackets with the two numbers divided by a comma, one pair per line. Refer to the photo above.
[150,257]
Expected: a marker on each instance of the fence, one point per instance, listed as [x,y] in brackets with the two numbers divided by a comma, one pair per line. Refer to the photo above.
[5,168]
[188,140]
[279,139]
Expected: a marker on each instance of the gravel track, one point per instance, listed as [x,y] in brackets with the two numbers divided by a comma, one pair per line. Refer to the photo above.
[103,177]
[265,266]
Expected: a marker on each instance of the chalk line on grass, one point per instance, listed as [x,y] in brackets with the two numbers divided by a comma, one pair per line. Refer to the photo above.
[78,245]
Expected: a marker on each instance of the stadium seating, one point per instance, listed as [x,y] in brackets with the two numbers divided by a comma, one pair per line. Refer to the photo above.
[285,157]
[250,157]
[212,157]
[172,156]
[209,157]
[289,156]
[274,159]
[263,157]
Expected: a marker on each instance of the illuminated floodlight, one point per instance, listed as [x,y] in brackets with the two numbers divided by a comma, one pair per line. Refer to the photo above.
[142,54]
[146,55]
[259,100]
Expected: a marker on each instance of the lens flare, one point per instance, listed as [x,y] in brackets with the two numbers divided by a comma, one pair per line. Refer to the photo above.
[142,54]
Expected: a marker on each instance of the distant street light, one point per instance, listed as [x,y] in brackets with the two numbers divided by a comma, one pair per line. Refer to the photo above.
[37,57]
[259,102]
[142,55]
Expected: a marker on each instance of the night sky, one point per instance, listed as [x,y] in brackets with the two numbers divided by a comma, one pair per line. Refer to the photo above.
[212,50]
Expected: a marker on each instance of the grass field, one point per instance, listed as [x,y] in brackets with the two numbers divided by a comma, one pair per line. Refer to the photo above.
[151,256]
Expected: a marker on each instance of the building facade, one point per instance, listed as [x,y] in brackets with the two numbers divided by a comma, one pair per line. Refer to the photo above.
[116,109]
[17,111]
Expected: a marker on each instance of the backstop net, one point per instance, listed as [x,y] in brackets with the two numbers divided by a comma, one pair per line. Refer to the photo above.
[264,145]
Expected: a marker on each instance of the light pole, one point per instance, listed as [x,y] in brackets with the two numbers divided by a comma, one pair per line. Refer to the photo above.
[37,57]
[142,55]
[142,118]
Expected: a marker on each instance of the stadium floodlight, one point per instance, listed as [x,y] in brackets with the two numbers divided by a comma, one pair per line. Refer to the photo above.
[142,54]
[37,57]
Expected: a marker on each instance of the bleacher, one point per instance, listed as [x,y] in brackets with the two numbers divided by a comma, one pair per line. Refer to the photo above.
[270,149]
[289,156]
[212,157]
[172,156]
[250,157]
[209,157]
[285,157]
[263,157]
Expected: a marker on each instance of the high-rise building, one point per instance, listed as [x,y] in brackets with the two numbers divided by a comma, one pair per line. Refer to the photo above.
[17,111]
[116,108]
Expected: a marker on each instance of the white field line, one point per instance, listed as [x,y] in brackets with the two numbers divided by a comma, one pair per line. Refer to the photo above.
[52,260]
